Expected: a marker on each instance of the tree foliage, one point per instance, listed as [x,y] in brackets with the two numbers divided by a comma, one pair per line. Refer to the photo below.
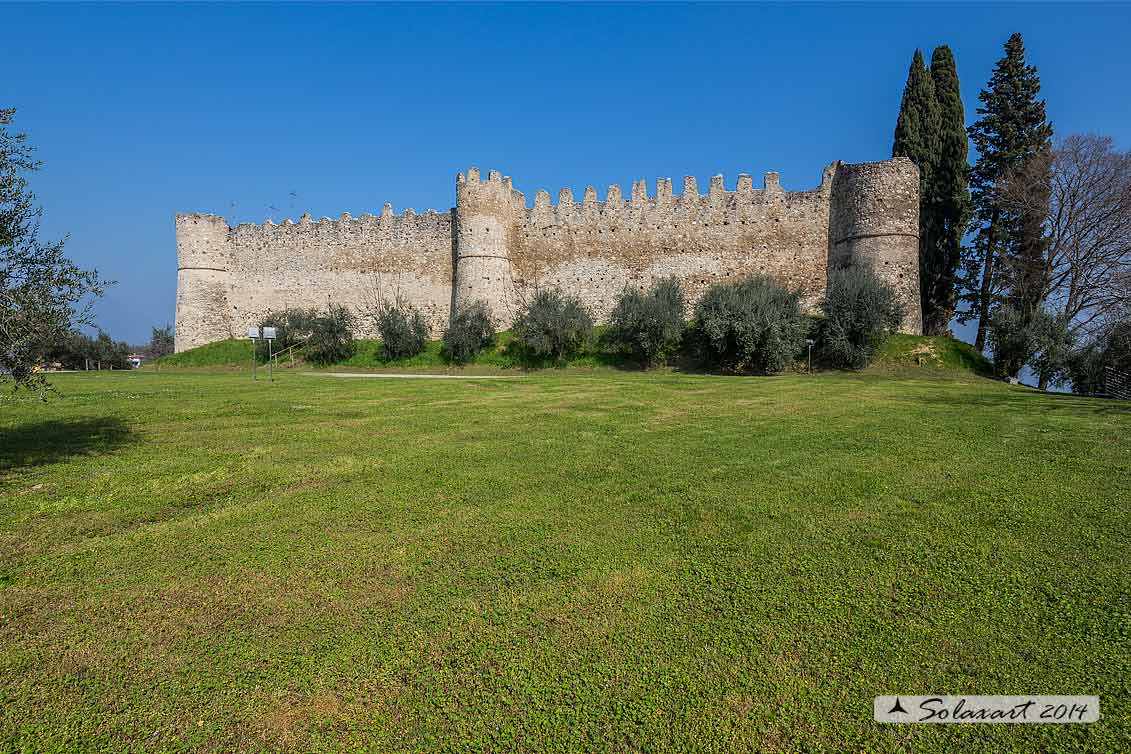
[41,291]
[1002,265]
[917,130]
[931,131]
[331,336]
[1041,340]
[1011,341]
[1053,345]
[402,329]
[948,200]
[1108,348]
[471,330]
[648,324]
[754,325]
[860,312]
[552,325]
[76,350]
[293,327]
[161,342]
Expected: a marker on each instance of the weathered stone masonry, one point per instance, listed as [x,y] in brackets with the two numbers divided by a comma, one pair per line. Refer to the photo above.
[493,247]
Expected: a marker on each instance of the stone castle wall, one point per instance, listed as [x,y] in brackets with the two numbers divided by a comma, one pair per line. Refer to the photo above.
[493,247]
[229,278]
[595,249]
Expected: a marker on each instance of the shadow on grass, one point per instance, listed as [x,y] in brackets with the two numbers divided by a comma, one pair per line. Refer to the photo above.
[1030,400]
[39,443]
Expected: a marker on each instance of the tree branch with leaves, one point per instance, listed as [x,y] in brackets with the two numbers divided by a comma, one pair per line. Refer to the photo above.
[43,294]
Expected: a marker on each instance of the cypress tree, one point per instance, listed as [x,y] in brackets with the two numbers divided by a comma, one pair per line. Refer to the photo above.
[1003,262]
[917,138]
[947,200]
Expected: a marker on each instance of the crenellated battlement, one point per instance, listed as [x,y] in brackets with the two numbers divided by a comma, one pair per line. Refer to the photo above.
[493,247]
[743,200]
[345,221]
[256,268]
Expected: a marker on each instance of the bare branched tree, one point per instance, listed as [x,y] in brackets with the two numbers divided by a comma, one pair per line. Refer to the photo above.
[1087,275]
[374,300]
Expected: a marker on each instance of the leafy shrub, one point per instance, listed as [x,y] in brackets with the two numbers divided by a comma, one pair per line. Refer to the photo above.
[1042,341]
[161,342]
[860,312]
[331,336]
[1053,344]
[552,325]
[648,325]
[471,330]
[1109,348]
[1085,369]
[1010,341]
[752,325]
[402,330]
[292,328]
[1117,350]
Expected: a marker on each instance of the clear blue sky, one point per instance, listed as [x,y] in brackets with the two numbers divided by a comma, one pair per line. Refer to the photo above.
[143,110]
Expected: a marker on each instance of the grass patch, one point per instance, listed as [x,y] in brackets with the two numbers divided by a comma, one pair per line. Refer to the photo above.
[503,355]
[222,353]
[898,353]
[932,351]
[559,562]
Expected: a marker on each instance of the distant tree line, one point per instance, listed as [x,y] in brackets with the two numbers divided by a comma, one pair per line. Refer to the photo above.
[1032,242]
[77,350]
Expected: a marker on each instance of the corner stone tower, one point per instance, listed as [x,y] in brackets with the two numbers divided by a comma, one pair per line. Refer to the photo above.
[874,220]
[203,281]
[485,223]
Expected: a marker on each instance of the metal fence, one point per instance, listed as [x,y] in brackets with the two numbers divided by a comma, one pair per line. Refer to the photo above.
[1117,384]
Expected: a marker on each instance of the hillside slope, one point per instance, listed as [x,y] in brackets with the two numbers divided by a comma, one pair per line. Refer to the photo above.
[900,351]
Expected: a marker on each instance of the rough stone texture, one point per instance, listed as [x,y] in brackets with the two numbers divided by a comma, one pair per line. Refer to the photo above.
[229,278]
[493,247]
[594,249]
[875,220]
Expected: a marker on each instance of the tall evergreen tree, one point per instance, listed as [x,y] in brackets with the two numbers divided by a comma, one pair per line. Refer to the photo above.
[917,137]
[947,200]
[1011,130]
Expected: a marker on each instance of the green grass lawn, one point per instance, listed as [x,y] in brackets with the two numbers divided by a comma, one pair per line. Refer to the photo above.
[369,356]
[898,352]
[564,562]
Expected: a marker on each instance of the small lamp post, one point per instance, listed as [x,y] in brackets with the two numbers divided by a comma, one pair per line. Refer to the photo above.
[809,342]
[253,335]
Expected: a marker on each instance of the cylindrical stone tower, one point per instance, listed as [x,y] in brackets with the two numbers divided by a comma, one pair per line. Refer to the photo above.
[203,314]
[874,219]
[484,227]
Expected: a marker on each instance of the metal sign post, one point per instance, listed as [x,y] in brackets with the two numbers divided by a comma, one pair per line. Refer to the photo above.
[269,336]
[810,341]
[253,334]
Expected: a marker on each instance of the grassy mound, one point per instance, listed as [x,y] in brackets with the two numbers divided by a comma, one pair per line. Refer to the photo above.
[932,351]
[369,355]
[900,351]
[503,355]
[218,354]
